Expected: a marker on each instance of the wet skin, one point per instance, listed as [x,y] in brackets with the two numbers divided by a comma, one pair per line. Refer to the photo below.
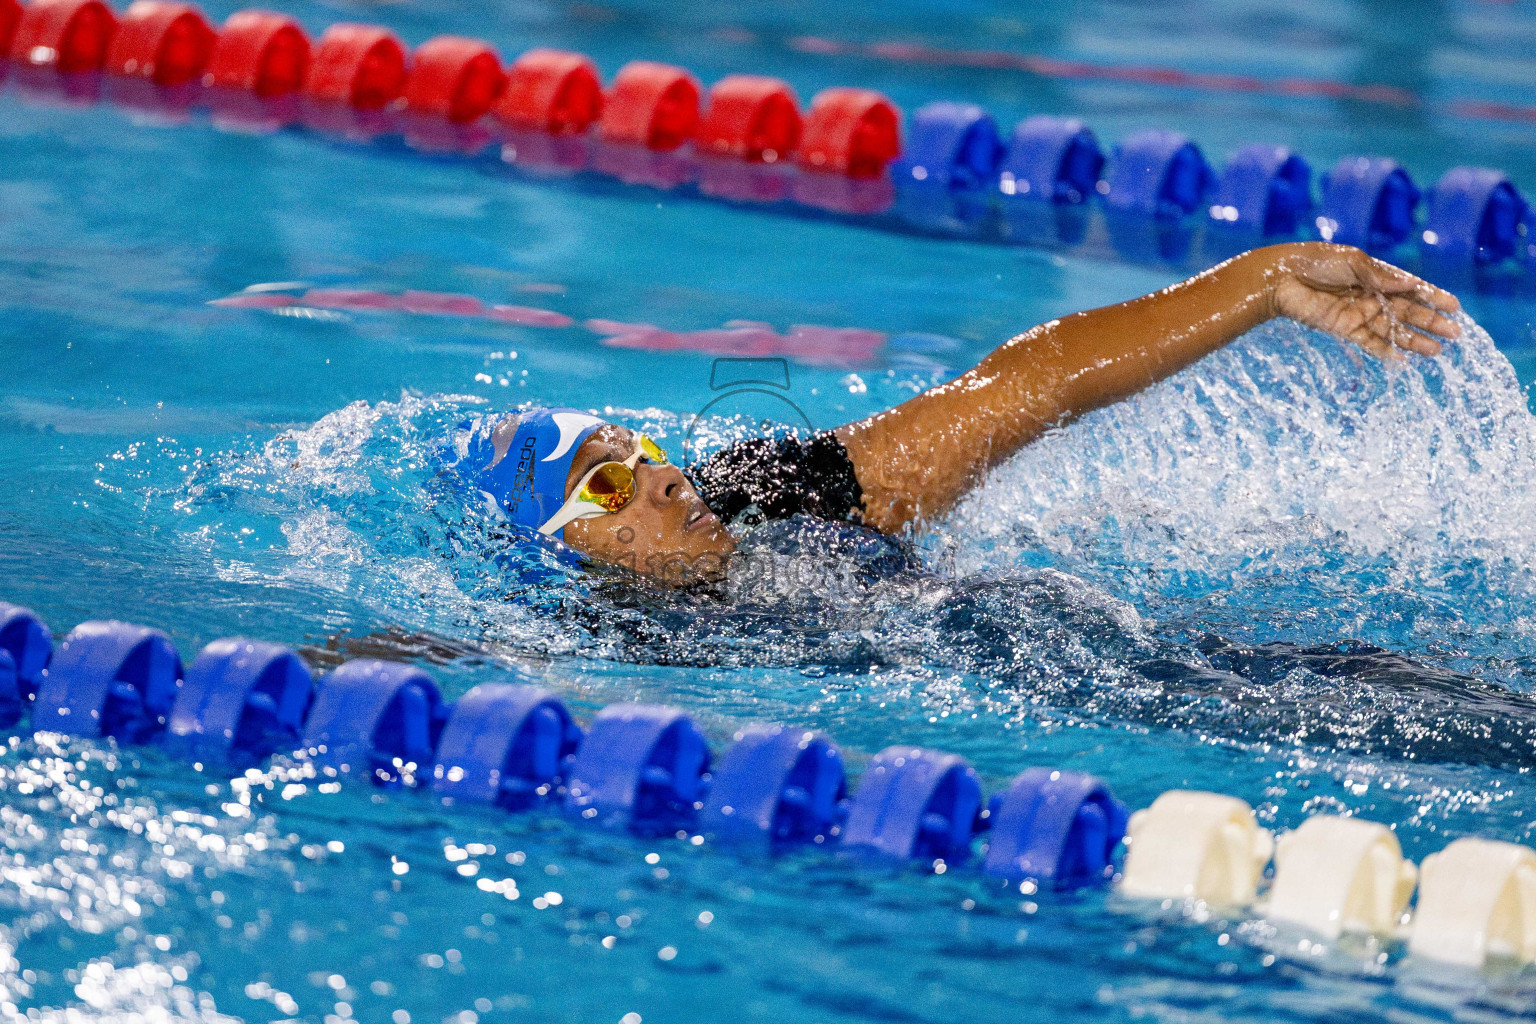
[666,530]
[915,461]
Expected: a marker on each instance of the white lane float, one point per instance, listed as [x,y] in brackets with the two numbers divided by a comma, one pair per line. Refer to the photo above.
[1196,845]
[1477,901]
[1335,875]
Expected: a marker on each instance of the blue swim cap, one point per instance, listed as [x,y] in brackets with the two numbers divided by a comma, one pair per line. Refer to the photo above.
[526,479]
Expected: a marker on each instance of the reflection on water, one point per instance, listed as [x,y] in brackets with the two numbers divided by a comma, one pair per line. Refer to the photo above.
[1302,573]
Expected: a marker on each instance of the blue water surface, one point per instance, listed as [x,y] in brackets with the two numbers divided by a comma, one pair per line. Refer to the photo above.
[1167,593]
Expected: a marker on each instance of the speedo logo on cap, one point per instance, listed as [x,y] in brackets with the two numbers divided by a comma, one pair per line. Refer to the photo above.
[522,475]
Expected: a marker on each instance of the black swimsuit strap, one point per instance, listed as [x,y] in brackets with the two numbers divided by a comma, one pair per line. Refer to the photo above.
[782,477]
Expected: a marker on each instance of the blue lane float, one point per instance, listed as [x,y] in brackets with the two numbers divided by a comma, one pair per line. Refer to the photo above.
[505,745]
[25,647]
[1158,174]
[1474,213]
[648,767]
[375,718]
[951,144]
[109,679]
[1263,190]
[915,804]
[1054,159]
[1044,223]
[242,701]
[1148,240]
[642,766]
[12,702]
[777,785]
[936,206]
[1367,201]
[1057,827]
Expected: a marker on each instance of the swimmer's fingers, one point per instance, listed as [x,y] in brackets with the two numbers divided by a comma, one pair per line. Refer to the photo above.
[1385,310]
[1437,298]
[1378,348]
[1410,314]
[1378,330]
[1410,340]
[1390,325]
[1427,325]
[1390,280]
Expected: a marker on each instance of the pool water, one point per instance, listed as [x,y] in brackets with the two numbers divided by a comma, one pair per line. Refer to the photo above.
[1288,574]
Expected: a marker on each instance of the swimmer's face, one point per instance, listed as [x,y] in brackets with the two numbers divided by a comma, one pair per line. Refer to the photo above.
[666,531]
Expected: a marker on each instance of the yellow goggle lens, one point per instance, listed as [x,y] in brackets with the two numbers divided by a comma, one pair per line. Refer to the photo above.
[611,487]
[651,451]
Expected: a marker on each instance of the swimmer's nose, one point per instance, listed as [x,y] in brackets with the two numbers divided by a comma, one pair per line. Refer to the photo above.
[661,484]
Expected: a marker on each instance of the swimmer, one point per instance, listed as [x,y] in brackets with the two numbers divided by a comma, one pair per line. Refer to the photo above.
[612,495]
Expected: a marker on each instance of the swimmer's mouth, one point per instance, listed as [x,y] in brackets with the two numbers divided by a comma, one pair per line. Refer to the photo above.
[700,517]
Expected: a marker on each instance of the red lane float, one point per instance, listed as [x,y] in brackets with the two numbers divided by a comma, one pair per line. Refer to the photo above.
[68,36]
[362,66]
[10,14]
[551,91]
[651,105]
[259,52]
[454,77]
[636,165]
[543,154]
[750,117]
[167,43]
[845,194]
[855,132]
[744,181]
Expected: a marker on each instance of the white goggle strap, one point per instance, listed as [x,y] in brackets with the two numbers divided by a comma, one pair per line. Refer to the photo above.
[574,508]
[569,512]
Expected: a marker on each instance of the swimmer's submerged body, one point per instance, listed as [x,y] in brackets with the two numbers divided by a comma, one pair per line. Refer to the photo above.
[842,495]
[610,494]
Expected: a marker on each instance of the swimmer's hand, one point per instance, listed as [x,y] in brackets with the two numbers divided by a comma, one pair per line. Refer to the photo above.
[1341,290]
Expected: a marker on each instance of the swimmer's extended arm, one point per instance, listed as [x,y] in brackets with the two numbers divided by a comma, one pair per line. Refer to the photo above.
[917,459]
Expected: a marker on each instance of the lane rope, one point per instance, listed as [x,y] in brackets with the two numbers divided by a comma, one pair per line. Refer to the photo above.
[746,138]
[650,770]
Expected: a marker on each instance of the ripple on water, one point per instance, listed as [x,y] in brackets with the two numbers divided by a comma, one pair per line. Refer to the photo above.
[1285,573]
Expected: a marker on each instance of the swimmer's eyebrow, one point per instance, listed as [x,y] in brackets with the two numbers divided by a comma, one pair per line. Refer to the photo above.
[606,451]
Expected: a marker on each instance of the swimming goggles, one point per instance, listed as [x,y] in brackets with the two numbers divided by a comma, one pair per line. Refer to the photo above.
[607,487]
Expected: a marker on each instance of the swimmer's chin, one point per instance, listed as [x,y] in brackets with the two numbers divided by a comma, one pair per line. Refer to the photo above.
[706,567]
[706,570]
[706,576]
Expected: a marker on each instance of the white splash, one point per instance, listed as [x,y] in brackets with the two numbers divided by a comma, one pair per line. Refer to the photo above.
[1287,462]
